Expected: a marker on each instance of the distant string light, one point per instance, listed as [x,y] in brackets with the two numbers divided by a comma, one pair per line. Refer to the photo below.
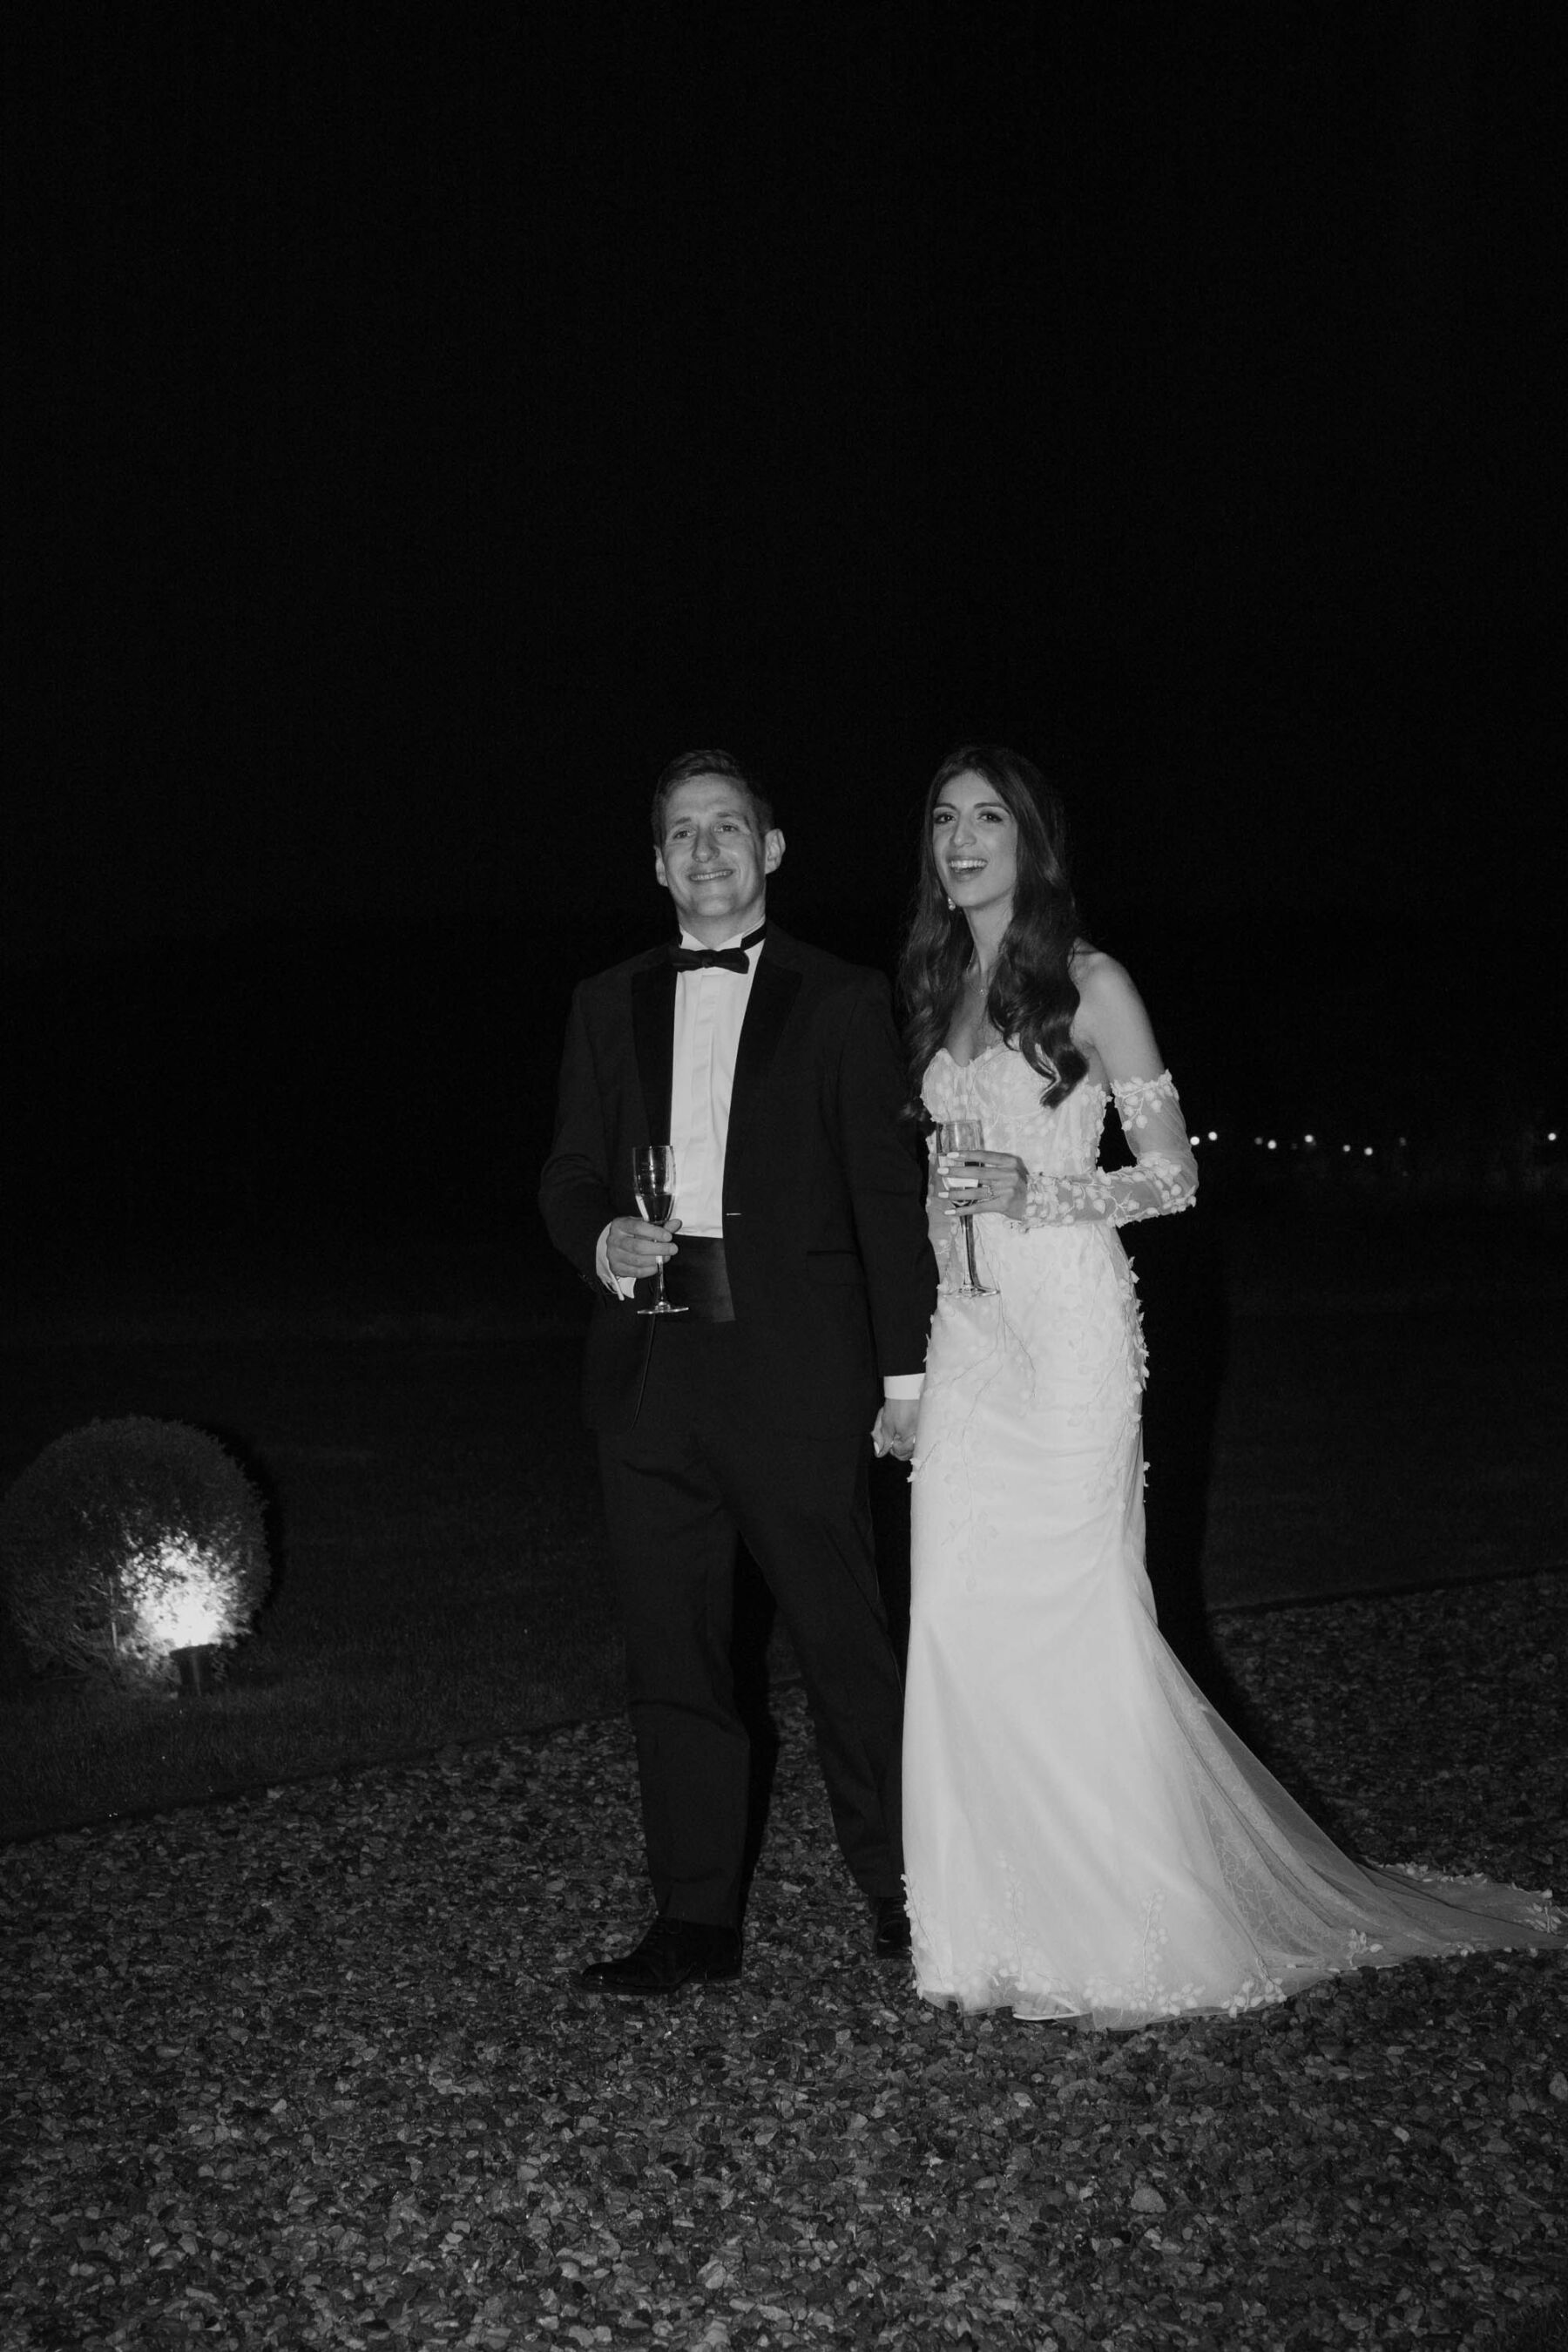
[1312,1141]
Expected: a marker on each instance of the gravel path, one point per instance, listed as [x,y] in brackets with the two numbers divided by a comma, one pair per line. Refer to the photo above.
[308,2069]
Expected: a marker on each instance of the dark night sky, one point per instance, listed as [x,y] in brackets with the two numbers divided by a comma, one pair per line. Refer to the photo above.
[440,417]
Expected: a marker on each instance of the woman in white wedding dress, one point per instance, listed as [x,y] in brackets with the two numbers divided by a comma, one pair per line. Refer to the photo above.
[1084,1837]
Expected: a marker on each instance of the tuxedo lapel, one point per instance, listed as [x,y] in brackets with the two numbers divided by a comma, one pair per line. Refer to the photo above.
[653,1036]
[773,992]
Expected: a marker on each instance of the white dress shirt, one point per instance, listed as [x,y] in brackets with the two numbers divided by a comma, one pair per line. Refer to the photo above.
[710,1008]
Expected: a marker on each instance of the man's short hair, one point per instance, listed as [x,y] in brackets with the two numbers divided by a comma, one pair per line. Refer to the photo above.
[708,763]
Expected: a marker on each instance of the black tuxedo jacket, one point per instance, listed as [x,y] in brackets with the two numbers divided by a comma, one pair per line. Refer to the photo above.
[824,1230]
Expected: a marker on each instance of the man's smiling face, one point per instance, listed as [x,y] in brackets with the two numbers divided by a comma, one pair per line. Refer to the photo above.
[713,861]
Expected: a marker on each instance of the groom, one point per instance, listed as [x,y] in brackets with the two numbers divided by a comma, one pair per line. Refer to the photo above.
[797,1248]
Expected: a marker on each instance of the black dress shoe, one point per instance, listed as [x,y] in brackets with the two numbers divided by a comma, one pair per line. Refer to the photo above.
[673,1953]
[890,1936]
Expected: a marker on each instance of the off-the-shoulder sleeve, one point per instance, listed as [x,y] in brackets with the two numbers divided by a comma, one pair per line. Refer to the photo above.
[1165,1178]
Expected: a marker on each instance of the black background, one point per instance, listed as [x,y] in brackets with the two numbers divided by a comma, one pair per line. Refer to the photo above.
[435,418]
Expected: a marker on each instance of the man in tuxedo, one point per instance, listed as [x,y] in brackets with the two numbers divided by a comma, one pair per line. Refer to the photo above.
[797,1248]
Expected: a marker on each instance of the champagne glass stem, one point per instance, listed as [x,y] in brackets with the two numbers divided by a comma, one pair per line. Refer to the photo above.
[653,1182]
[960,1137]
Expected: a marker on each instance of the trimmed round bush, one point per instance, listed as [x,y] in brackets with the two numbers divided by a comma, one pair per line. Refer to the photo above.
[126,1540]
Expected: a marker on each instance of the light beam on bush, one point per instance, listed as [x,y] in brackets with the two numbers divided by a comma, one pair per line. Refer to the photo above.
[129,1546]
[181,1597]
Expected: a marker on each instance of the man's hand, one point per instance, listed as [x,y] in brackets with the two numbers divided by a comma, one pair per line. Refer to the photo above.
[635,1248]
[894,1431]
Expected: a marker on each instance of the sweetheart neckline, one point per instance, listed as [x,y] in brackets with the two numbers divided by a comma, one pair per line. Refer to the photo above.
[999,1047]
[1002,1046]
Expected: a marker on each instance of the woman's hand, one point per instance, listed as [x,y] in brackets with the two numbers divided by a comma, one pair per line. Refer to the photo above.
[984,1183]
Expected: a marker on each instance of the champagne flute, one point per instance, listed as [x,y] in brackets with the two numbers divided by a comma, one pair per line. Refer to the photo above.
[959,1135]
[653,1182]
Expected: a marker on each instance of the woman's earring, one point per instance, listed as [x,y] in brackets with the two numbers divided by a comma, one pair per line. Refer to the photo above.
[950,906]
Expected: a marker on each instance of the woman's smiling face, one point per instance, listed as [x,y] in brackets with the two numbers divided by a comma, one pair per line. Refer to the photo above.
[975,841]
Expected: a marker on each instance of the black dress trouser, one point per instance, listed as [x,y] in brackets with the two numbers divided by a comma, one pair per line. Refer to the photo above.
[692,1476]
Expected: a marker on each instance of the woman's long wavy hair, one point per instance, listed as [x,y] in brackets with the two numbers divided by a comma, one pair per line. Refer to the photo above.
[1032,998]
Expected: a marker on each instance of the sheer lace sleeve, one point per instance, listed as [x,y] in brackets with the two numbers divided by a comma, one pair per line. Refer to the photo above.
[1165,1178]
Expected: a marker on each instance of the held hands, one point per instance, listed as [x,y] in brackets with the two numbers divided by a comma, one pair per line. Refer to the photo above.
[635,1248]
[984,1183]
[894,1431]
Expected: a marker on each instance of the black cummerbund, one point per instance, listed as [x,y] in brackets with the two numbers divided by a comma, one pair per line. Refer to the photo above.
[697,1278]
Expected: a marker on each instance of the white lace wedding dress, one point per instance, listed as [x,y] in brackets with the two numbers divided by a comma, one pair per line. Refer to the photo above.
[1084,1837]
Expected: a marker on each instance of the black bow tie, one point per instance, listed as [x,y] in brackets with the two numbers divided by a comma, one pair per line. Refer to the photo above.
[716,958]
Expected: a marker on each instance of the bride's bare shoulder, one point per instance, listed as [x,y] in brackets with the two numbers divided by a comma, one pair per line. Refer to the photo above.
[1110,1024]
[1098,979]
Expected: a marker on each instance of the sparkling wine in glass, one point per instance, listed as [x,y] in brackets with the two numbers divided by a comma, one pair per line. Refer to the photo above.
[958,1136]
[653,1182]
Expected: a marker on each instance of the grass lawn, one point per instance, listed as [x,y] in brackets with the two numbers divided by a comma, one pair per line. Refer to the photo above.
[431,1516]
[1379,1409]
[1367,1446]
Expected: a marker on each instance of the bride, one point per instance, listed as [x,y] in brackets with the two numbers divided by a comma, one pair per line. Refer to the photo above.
[1084,1837]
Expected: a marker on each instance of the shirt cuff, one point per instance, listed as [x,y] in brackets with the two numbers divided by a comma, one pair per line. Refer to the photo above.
[903,1388]
[611,1282]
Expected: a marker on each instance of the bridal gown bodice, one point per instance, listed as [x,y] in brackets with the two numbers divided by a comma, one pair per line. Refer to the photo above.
[1063,1321]
[1084,1837]
[1060,1335]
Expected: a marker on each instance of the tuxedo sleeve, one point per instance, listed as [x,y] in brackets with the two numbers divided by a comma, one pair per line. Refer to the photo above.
[574,1196]
[882,1166]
